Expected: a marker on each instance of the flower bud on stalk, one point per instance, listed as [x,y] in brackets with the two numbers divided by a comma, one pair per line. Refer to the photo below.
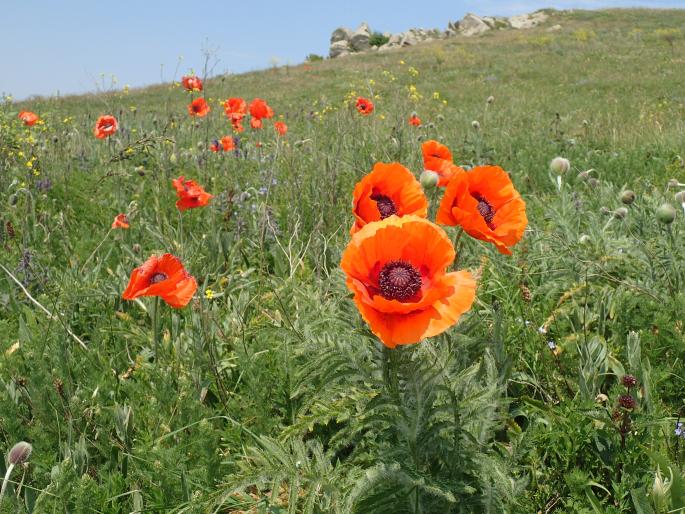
[19,454]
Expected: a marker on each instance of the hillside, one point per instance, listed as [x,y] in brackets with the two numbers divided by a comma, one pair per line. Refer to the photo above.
[269,392]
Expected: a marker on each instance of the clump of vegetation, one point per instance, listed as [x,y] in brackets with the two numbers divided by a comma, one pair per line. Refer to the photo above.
[378,39]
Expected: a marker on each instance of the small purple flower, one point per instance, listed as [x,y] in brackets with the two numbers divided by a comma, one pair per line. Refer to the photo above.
[44,185]
[552,345]
[679,431]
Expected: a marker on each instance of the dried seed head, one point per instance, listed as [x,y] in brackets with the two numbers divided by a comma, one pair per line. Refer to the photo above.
[628,197]
[629,381]
[559,165]
[680,197]
[626,401]
[19,453]
[665,213]
[475,125]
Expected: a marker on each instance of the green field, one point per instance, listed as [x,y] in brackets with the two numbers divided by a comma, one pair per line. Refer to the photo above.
[268,393]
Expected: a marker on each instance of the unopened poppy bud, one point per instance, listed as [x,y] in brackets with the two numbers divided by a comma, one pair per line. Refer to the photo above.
[620,213]
[661,491]
[173,158]
[140,170]
[680,197]
[475,124]
[673,183]
[605,210]
[665,213]
[19,453]
[586,123]
[559,165]
[136,248]
[440,117]
[584,239]
[13,199]
[593,182]
[628,197]
[601,398]
[490,99]
[429,179]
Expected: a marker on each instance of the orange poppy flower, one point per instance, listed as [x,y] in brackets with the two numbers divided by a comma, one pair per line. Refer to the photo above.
[190,194]
[29,118]
[199,107]
[235,107]
[364,106]
[237,125]
[281,128]
[105,126]
[485,204]
[192,83]
[397,270]
[162,276]
[120,221]
[414,120]
[260,109]
[227,143]
[256,123]
[389,189]
[438,158]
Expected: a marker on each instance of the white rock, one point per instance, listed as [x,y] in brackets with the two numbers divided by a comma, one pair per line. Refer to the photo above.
[359,41]
[341,34]
[472,25]
[339,48]
[554,28]
[528,21]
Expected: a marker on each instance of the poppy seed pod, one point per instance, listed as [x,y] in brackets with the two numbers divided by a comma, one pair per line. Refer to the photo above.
[173,159]
[440,117]
[475,125]
[19,453]
[620,213]
[13,199]
[490,99]
[665,213]
[673,183]
[680,197]
[593,182]
[559,165]
[628,197]
[429,179]
[136,248]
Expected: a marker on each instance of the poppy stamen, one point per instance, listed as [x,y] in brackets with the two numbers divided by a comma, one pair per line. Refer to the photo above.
[158,277]
[485,210]
[399,280]
[386,207]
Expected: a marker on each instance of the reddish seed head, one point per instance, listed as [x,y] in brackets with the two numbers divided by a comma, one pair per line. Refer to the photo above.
[626,401]
[158,277]
[399,280]
[629,381]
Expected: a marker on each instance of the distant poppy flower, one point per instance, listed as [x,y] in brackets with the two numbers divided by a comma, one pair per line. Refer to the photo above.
[438,158]
[192,83]
[364,106]
[235,107]
[485,204]
[255,123]
[260,109]
[389,189]
[162,276]
[414,120]
[227,143]
[397,270]
[29,118]
[237,125]
[120,221]
[199,107]
[281,128]
[190,194]
[105,126]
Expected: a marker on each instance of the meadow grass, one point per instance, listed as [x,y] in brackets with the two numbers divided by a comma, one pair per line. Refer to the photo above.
[268,393]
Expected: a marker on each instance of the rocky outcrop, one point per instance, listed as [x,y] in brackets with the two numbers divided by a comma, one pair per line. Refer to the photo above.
[344,41]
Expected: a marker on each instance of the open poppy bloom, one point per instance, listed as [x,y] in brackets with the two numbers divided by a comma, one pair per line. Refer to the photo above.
[485,204]
[199,107]
[162,276]
[260,109]
[227,143]
[281,128]
[235,107]
[389,189]
[190,194]
[438,158]
[120,221]
[397,270]
[256,123]
[29,118]
[105,126]
[364,106]
[414,120]
[192,83]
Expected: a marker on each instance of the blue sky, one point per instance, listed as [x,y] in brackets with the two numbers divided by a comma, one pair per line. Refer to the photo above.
[66,45]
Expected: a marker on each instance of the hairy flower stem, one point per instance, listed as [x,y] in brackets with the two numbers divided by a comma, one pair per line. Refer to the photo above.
[6,480]
[155,327]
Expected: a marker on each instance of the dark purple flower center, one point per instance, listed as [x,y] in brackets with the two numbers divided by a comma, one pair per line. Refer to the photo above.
[158,277]
[399,280]
[386,207]
[486,210]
